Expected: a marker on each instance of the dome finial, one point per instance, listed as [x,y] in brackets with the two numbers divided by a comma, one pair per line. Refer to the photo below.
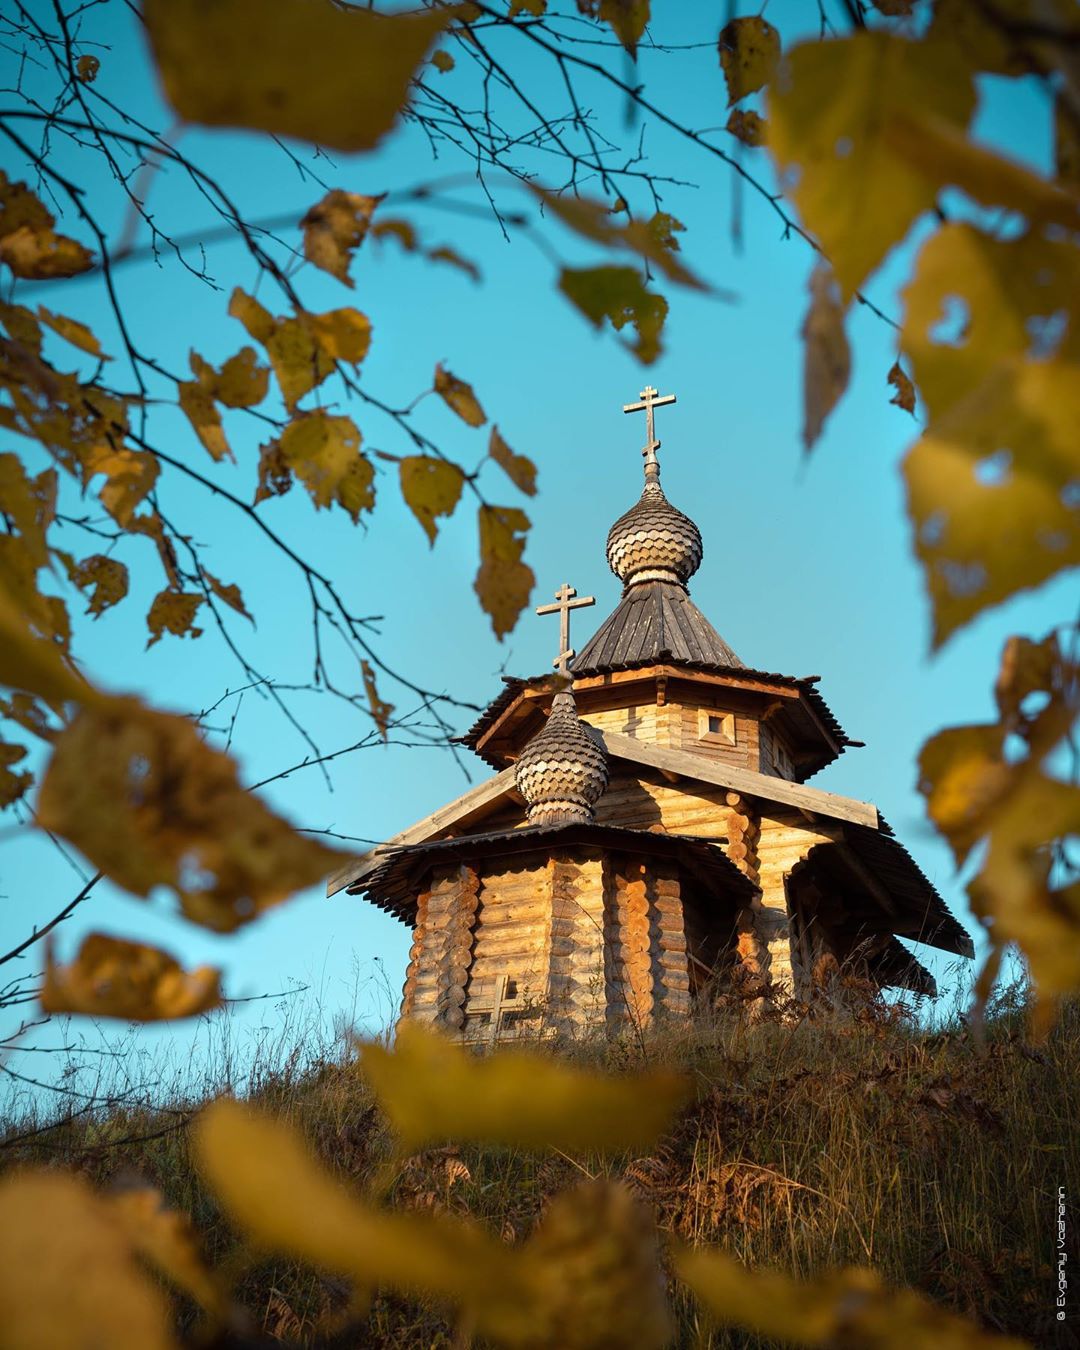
[650,399]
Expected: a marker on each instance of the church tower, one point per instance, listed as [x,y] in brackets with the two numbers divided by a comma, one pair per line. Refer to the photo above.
[648,838]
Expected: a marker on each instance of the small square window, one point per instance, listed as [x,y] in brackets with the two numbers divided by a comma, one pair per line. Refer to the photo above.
[716,727]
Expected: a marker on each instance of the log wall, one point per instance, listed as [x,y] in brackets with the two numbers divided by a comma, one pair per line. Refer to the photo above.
[785,838]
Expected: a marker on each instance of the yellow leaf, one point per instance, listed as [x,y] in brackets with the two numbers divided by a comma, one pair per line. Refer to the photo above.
[459,396]
[258,321]
[336,226]
[520,470]
[268,1182]
[228,593]
[433,1090]
[904,397]
[167,1241]
[338,77]
[114,978]
[534,7]
[129,474]
[628,19]
[503,582]
[962,774]
[87,69]
[401,230]
[68,1279]
[107,576]
[431,488]
[827,134]
[344,334]
[653,239]
[150,804]
[749,55]
[443,253]
[442,61]
[826,354]
[31,662]
[22,325]
[618,294]
[173,612]
[380,709]
[847,1307]
[984,39]
[203,415]
[275,476]
[241,382]
[12,785]
[991,484]
[324,453]
[747,125]
[71,330]
[29,504]
[29,244]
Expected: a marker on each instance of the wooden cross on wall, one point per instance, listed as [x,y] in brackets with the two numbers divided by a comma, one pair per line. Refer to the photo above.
[566,602]
[650,399]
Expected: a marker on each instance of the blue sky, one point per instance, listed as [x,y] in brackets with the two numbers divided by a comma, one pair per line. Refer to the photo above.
[807,568]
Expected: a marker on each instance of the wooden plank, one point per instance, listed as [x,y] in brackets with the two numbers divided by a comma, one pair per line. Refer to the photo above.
[760,785]
[492,789]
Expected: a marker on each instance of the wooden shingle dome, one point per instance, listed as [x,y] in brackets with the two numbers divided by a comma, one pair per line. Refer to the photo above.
[563,770]
[653,541]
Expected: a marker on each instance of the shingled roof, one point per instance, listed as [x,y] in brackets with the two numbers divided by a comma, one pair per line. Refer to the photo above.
[654,621]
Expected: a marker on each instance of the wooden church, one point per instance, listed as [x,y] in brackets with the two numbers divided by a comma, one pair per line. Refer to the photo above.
[647,839]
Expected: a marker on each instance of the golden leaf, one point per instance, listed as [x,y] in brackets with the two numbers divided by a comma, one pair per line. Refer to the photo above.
[129,475]
[68,1279]
[627,19]
[167,1240]
[71,330]
[653,239]
[173,612]
[503,582]
[826,354]
[23,327]
[241,382]
[904,397]
[962,774]
[344,334]
[203,415]
[401,230]
[534,7]
[275,476]
[107,576]
[336,226]
[29,661]
[445,254]
[618,294]
[442,61]
[87,69]
[433,1090]
[848,1307]
[228,593]
[29,505]
[520,470]
[431,488]
[380,709]
[458,395]
[150,804]
[991,483]
[827,129]
[338,77]
[12,785]
[749,55]
[29,244]
[258,321]
[153,527]
[267,1180]
[747,126]
[324,453]
[113,978]
[984,38]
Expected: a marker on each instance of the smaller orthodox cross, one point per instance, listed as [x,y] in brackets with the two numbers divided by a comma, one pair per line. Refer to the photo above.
[565,596]
[650,399]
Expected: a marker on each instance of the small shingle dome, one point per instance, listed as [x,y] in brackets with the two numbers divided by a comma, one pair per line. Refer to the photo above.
[563,771]
[653,541]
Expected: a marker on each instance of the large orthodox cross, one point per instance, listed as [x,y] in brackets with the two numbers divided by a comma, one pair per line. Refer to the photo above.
[566,602]
[650,399]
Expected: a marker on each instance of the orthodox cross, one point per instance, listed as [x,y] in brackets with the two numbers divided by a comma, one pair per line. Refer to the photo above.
[650,399]
[566,602]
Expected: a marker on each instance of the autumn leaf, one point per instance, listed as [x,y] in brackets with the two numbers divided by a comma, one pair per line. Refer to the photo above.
[826,354]
[379,708]
[29,244]
[503,582]
[749,55]
[535,8]
[520,470]
[337,77]
[240,383]
[129,476]
[431,488]
[985,45]
[30,662]
[87,69]
[445,254]
[71,330]
[150,804]
[990,483]
[114,978]
[618,295]
[166,1240]
[904,397]
[827,135]
[433,1090]
[228,593]
[173,612]
[275,475]
[68,1277]
[653,239]
[335,227]
[459,396]
[442,61]
[12,784]
[343,334]
[849,1307]
[324,454]
[747,126]
[1066,143]
[626,18]
[202,413]
[105,578]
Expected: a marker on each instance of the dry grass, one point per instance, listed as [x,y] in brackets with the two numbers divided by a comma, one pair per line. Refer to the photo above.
[817,1142]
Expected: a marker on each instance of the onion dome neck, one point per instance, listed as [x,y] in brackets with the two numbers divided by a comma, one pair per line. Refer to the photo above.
[563,771]
[654,541]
